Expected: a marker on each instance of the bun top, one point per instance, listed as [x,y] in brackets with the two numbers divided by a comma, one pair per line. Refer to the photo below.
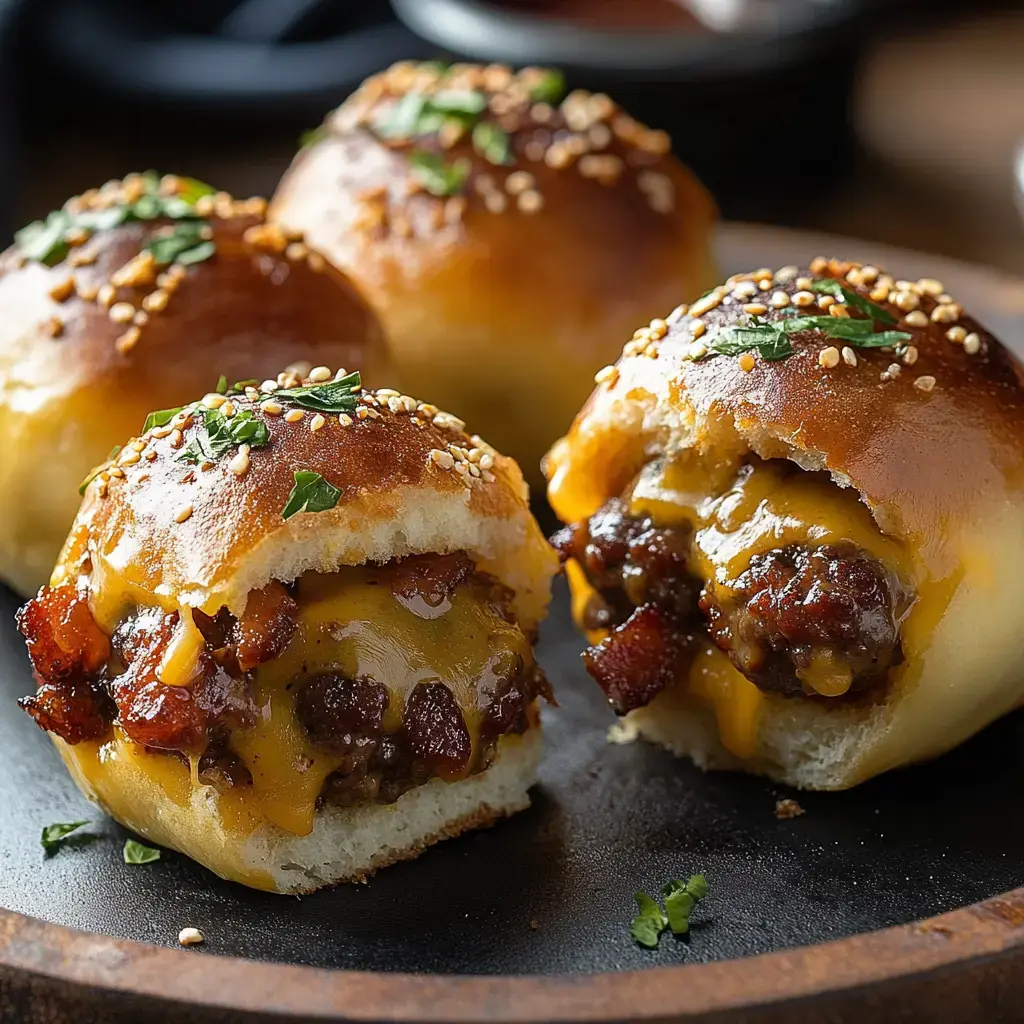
[887,384]
[268,481]
[428,144]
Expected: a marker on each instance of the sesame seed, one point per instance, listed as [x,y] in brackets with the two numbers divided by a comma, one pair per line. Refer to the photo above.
[272,408]
[972,343]
[228,409]
[121,312]
[127,341]
[319,374]
[803,299]
[486,461]
[239,465]
[910,356]
[779,300]
[530,201]
[176,438]
[746,362]
[116,472]
[362,412]
[956,334]
[929,286]
[160,432]
[213,401]
[64,290]
[804,283]
[755,308]
[518,182]
[786,274]
[344,419]
[293,415]
[87,292]
[55,326]
[828,357]
[677,314]
[659,328]
[868,274]
[183,513]
[447,420]
[149,455]
[698,350]
[268,386]
[316,263]
[141,318]
[105,295]
[190,937]
[296,251]
[849,356]
[826,302]
[706,304]
[745,290]
[945,314]
[916,319]
[128,457]
[839,310]
[443,459]
[819,265]
[925,383]
[317,423]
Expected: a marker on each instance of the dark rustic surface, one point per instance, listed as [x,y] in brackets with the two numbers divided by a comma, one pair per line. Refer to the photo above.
[550,892]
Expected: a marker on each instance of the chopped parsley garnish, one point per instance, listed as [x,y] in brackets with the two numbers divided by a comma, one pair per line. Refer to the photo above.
[138,853]
[45,241]
[680,898]
[459,102]
[217,435]
[54,835]
[332,396]
[222,385]
[549,89]
[438,177]
[313,136]
[99,469]
[160,418]
[771,339]
[183,244]
[311,493]
[850,297]
[492,143]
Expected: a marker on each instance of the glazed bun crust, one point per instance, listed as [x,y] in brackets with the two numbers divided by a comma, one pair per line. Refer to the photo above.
[530,273]
[409,481]
[928,435]
[77,376]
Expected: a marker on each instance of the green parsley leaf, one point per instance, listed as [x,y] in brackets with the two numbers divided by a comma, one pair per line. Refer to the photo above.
[436,176]
[313,136]
[99,469]
[859,333]
[218,435]
[492,143]
[241,385]
[311,493]
[160,418]
[184,243]
[461,103]
[767,339]
[680,899]
[138,853]
[550,88]
[43,241]
[400,120]
[55,834]
[203,251]
[853,298]
[190,191]
[648,925]
[222,385]
[332,396]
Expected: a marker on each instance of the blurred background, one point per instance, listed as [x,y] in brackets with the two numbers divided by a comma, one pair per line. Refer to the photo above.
[896,120]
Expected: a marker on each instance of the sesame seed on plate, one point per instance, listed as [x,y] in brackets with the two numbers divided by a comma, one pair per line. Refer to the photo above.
[972,343]
[828,357]
[183,514]
[916,319]
[293,415]
[190,937]
[925,383]
[849,356]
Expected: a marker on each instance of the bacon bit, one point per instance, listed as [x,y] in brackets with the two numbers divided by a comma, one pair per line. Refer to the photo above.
[437,731]
[428,579]
[638,660]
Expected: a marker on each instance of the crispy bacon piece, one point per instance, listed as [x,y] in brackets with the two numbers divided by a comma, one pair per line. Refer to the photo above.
[639,659]
[334,710]
[68,651]
[265,629]
[428,579]
[437,731]
[170,717]
[75,710]
[63,638]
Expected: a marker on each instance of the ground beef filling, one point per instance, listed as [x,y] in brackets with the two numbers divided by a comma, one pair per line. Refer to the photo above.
[797,615]
[87,682]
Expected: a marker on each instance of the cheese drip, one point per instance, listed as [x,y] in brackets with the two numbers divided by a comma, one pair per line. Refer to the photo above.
[349,623]
[737,512]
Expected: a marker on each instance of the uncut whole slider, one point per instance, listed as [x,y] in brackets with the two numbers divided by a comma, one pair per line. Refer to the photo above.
[796,532]
[291,632]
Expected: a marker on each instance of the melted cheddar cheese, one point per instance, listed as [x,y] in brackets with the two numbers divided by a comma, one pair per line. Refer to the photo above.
[349,622]
[737,512]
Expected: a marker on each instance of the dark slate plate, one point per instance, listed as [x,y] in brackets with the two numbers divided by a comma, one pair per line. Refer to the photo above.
[550,891]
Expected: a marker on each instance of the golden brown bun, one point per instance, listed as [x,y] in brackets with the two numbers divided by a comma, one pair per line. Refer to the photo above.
[500,299]
[933,442]
[77,376]
[410,481]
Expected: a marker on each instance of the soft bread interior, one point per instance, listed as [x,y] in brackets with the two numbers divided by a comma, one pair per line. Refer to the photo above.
[346,844]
